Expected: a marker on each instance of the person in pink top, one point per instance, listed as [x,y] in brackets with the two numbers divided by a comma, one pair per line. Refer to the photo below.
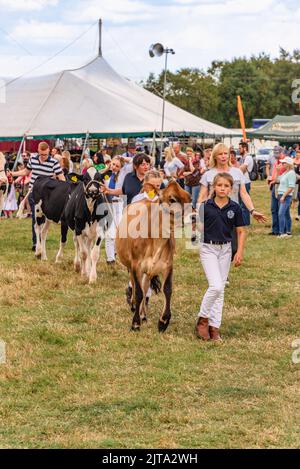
[277,172]
[233,159]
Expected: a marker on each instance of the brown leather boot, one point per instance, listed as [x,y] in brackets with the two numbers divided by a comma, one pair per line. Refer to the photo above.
[202,329]
[214,333]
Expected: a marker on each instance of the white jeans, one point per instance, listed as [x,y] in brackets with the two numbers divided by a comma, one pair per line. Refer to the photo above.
[117,209]
[216,260]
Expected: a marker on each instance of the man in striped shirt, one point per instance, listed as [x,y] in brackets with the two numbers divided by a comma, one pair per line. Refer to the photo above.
[40,165]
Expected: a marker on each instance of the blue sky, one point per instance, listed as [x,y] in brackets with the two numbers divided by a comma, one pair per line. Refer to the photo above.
[199,30]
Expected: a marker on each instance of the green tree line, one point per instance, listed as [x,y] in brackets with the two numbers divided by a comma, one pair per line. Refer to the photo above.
[264,84]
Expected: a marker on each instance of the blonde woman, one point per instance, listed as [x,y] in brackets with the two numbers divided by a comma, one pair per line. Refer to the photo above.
[220,163]
[172,163]
[116,204]
[287,183]
[67,162]
[86,164]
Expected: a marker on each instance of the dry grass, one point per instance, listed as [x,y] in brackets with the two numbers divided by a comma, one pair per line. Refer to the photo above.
[77,377]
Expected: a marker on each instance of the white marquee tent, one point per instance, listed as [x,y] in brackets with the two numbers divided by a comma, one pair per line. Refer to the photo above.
[93,99]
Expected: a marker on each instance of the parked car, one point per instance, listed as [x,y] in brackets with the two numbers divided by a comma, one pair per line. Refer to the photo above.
[263,154]
[261,159]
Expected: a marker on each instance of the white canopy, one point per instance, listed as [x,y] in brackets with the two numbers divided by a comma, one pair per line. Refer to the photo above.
[92,99]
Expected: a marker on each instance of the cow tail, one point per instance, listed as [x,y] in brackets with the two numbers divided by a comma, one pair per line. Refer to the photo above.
[155,284]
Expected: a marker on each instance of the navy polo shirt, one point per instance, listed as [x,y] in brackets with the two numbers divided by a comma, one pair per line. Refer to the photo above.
[219,222]
[132,186]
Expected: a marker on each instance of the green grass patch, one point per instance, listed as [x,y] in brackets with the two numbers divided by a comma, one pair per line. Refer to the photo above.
[76,377]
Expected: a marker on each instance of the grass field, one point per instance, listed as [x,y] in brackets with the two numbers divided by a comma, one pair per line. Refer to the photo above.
[76,376]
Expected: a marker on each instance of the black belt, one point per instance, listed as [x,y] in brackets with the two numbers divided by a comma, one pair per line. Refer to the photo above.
[218,243]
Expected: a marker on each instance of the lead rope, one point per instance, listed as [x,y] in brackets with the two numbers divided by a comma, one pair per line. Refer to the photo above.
[110,210]
[20,211]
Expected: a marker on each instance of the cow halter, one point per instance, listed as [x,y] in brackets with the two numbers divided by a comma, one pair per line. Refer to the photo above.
[89,184]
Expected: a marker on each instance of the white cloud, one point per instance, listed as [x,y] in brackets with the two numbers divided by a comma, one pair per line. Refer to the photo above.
[26,5]
[227,8]
[115,11]
[199,32]
[41,32]
[29,66]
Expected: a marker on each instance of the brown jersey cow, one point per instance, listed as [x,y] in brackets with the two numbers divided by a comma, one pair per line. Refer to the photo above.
[145,244]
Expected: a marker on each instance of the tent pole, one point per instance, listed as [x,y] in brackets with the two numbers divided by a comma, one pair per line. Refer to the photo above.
[153,153]
[83,149]
[19,152]
[100,38]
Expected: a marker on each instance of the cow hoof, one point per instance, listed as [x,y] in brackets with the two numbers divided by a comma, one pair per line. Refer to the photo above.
[144,319]
[135,328]
[132,307]
[92,280]
[77,268]
[38,256]
[163,325]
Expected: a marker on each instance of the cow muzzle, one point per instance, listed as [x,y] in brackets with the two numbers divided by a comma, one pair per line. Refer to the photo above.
[92,189]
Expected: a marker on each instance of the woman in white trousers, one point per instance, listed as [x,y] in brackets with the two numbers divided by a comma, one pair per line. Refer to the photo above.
[116,206]
[113,192]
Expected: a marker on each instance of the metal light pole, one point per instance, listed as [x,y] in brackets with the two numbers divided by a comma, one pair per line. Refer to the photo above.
[156,50]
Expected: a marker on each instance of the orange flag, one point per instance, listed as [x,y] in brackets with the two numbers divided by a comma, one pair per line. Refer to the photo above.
[241,116]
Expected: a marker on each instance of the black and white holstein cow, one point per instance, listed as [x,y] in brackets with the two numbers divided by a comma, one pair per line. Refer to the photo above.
[50,198]
[88,215]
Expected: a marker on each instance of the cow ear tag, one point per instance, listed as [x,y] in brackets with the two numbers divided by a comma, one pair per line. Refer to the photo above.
[151,194]
[74,179]
[106,177]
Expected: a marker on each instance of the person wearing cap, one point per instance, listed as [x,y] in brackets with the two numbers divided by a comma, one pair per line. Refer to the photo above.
[273,162]
[130,152]
[287,183]
[272,158]
[127,158]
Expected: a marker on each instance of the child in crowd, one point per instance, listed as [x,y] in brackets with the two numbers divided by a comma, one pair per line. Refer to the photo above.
[151,186]
[10,205]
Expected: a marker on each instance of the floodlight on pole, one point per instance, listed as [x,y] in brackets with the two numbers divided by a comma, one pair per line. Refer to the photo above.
[157,50]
